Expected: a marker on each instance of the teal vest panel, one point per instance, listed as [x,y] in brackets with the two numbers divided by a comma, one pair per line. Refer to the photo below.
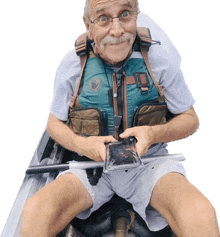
[96,86]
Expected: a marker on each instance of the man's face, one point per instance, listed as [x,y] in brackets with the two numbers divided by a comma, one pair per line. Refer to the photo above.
[113,42]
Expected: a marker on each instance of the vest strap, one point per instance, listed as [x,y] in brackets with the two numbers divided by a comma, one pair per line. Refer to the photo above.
[144,51]
[145,43]
[125,105]
[83,60]
[115,104]
[145,37]
[81,45]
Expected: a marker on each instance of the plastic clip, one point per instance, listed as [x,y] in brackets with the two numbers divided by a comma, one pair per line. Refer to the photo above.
[141,79]
[117,121]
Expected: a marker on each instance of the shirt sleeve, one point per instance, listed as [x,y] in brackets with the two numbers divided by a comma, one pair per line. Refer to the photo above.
[165,63]
[66,79]
[177,94]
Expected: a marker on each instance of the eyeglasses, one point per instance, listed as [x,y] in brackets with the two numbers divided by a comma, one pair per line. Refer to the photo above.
[125,17]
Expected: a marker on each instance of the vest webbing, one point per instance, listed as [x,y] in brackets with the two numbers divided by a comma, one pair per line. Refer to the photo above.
[82,50]
[146,41]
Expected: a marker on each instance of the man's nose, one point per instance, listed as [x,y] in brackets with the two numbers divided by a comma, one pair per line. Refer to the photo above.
[116,28]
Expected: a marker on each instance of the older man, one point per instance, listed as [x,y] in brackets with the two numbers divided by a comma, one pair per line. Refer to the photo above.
[159,191]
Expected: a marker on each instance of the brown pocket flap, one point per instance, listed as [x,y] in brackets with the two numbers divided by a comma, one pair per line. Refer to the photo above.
[151,115]
[85,122]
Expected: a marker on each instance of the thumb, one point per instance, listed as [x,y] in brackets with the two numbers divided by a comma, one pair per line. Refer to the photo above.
[127,133]
[109,139]
[140,148]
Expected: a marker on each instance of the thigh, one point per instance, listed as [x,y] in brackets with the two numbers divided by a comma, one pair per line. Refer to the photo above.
[138,189]
[172,189]
[177,200]
[56,204]
[70,193]
[100,193]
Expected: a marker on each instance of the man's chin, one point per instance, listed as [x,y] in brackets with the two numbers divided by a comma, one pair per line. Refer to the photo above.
[114,59]
[115,54]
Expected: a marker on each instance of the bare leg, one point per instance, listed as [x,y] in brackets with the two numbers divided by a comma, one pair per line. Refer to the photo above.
[49,211]
[186,210]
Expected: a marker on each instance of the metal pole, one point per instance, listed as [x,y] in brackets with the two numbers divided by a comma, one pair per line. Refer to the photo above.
[46,168]
[92,164]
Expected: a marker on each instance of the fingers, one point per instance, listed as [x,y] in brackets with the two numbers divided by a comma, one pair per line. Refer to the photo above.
[108,139]
[140,134]
[95,148]
[128,133]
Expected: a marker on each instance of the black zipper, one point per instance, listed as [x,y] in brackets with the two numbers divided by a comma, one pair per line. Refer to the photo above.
[119,82]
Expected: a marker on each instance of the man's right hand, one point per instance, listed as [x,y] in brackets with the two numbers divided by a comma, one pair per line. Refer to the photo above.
[94,148]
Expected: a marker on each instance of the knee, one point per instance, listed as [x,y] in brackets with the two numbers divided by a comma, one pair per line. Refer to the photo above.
[29,215]
[34,207]
[31,207]
[36,216]
[206,210]
[198,211]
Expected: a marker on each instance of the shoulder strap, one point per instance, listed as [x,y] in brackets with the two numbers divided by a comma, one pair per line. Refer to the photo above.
[81,44]
[83,60]
[145,43]
[82,50]
[144,37]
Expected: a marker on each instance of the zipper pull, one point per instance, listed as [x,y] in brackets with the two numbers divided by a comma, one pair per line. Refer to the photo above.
[115,93]
[118,84]
[118,80]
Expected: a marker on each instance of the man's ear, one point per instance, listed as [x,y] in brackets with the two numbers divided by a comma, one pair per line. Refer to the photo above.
[88,27]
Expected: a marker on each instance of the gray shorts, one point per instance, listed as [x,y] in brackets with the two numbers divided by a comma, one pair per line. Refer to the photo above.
[135,186]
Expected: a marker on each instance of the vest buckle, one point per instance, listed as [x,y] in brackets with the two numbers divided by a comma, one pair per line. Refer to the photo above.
[141,79]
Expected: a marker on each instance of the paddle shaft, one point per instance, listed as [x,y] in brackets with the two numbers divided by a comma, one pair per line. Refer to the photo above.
[91,164]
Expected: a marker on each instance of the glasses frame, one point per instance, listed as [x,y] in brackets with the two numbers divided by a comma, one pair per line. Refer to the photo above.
[97,23]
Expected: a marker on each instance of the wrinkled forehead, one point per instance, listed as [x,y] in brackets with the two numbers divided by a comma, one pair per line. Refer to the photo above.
[100,5]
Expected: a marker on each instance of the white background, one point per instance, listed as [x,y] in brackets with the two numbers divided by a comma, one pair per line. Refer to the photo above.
[35,36]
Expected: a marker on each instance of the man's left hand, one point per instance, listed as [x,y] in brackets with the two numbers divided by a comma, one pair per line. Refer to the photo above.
[143,135]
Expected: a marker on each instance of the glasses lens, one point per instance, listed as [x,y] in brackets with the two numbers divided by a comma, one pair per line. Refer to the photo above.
[103,20]
[127,16]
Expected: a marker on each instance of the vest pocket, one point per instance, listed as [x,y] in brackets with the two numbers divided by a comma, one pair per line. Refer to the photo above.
[150,113]
[88,121]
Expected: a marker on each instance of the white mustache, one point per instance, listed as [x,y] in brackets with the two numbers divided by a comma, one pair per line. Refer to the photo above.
[112,40]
